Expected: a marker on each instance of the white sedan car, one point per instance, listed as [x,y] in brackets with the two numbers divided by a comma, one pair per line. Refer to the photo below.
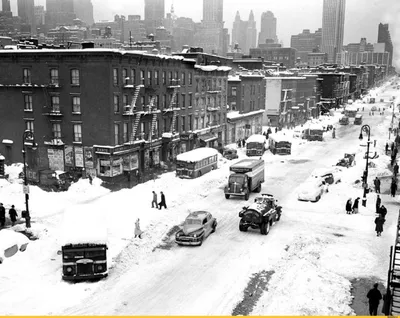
[329,175]
[10,243]
[312,190]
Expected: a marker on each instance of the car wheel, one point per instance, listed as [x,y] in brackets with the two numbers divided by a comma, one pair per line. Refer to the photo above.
[242,228]
[278,217]
[317,198]
[227,196]
[267,228]
[262,228]
[259,188]
[199,174]
[246,196]
[214,228]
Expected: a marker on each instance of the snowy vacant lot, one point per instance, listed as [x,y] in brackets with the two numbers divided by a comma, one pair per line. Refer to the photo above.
[302,267]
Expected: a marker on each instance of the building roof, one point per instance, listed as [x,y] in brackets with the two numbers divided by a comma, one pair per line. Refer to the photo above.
[211,68]
[197,154]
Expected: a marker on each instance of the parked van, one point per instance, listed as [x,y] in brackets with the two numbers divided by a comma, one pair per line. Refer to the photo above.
[358,120]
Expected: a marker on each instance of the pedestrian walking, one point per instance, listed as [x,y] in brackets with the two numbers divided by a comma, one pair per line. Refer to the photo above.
[374,143]
[334,133]
[392,147]
[377,184]
[393,189]
[90,179]
[356,205]
[378,203]
[13,215]
[154,203]
[383,211]
[276,130]
[269,131]
[349,207]
[239,143]
[396,169]
[138,231]
[244,143]
[386,148]
[162,202]
[379,221]
[2,215]
[393,159]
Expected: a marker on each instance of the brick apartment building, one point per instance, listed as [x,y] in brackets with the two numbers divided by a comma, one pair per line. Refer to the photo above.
[104,112]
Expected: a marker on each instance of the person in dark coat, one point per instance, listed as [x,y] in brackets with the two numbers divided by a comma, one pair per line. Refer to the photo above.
[386,148]
[383,211]
[379,221]
[396,169]
[244,143]
[13,215]
[269,131]
[239,143]
[162,202]
[395,152]
[378,204]
[356,205]
[393,188]
[276,130]
[392,147]
[374,297]
[154,202]
[2,215]
[377,184]
[349,206]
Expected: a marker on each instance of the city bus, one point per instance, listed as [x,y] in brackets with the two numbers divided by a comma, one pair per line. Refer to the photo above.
[255,145]
[193,164]
[280,144]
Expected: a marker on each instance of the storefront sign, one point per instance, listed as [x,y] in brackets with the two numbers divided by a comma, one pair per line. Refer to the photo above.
[89,164]
[106,150]
[102,150]
[79,157]
[186,137]
[69,156]
[56,159]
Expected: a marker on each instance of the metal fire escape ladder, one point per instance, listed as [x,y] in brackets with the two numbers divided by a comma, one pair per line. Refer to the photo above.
[154,120]
[174,110]
[134,98]
[138,115]
[395,275]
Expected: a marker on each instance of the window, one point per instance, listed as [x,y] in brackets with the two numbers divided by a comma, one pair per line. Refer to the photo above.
[76,104]
[157,102]
[219,118]
[196,123]
[208,119]
[177,124]
[26,75]
[28,105]
[150,77]
[183,78]
[115,76]
[190,78]
[165,125]
[164,77]
[54,76]
[125,100]
[142,101]
[29,125]
[155,132]
[233,105]
[156,78]
[190,122]
[197,85]
[116,134]
[234,91]
[176,76]
[75,77]
[183,101]
[126,132]
[125,76]
[202,122]
[133,76]
[142,77]
[190,100]
[165,101]
[142,129]
[77,132]
[183,124]
[55,103]
[56,130]
[116,104]
[170,78]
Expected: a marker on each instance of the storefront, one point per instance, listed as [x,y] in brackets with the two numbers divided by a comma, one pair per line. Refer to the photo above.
[208,140]
[171,147]
[243,126]
[187,142]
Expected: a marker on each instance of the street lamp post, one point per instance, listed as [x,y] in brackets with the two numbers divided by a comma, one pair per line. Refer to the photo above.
[366,129]
[28,137]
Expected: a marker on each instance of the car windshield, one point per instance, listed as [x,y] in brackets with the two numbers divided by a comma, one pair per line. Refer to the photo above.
[193,221]
[237,179]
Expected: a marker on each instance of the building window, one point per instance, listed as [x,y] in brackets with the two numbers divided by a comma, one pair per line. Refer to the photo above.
[125,100]
[197,85]
[196,123]
[56,130]
[170,78]
[76,104]
[190,122]
[234,91]
[164,77]
[142,77]
[26,75]
[116,134]
[183,78]
[155,132]
[165,125]
[183,124]
[233,105]
[190,78]
[55,103]
[29,125]
[115,76]
[156,78]
[54,76]
[150,77]
[190,100]
[126,132]
[208,120]
[28,104]
[142,129]
[77,132]
[219,118]
[133,76]
[75,77]
[165,101]
[202,122]
[142,101]
[177,124]
[183,101]
[157,102]
[116,104]
[125,77]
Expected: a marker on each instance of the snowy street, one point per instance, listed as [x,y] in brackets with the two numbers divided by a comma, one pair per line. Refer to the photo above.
[311,254]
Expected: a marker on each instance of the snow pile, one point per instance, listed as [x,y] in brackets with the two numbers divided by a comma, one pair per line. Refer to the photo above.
[13,171]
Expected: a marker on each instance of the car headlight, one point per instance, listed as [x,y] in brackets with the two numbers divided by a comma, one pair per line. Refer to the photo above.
[69,269]
[195,235]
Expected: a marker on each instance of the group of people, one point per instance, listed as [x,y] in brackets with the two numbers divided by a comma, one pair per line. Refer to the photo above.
[381,218]
[241,143]
[156,204]
[352,208]
[12,213]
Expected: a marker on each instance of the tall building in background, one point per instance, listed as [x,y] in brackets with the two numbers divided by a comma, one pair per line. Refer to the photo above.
[6,7]
[244,33]
[154,14]
[333,27]
[59,12]
[213,11]
[267,28]
[384,37]
[251,32]
[39,16]
[26,11]
[84,11]
[306,42]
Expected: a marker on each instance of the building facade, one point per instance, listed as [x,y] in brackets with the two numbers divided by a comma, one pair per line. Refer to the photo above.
[107,113]
[306,42]
[286,56]
[384,37]
[333,27]
[315,59]
[244,33]
[6,7]
[59,13]
[267,28]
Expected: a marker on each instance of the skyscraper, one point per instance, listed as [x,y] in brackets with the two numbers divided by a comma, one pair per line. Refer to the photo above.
[306,42]
[6,6]
[59,12]
[84,11]
[384,37]
[154,13]
[213,11]
[333,28]
[267,28]
[26,11]
[251,32]
[244,33]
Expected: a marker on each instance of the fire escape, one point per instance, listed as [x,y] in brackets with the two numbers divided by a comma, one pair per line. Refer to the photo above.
[130,111]
[393,288]
[176,88]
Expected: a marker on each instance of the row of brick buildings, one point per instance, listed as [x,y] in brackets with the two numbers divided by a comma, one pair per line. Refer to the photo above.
[111,113]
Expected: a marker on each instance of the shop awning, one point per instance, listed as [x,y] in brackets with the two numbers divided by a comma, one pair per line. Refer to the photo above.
[208,137]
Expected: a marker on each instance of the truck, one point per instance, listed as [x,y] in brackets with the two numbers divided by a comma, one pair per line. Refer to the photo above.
[314,133]
[262,214]
[280,144]
[246,176]
[255,145]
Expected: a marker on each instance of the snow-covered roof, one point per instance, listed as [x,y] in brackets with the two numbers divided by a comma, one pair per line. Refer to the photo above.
[84,225]
[234,78]
[211,68]
[197,154]
[316,127]
[256,138]
[2,157]
[7,141]
[235,114]
[280,137]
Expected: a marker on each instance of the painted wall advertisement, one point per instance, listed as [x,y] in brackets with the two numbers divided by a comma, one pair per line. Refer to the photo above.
[79,157]
[69,156]
[56,159]
[89,164]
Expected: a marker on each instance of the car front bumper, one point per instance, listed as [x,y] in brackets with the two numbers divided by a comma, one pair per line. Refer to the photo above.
[189,242]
